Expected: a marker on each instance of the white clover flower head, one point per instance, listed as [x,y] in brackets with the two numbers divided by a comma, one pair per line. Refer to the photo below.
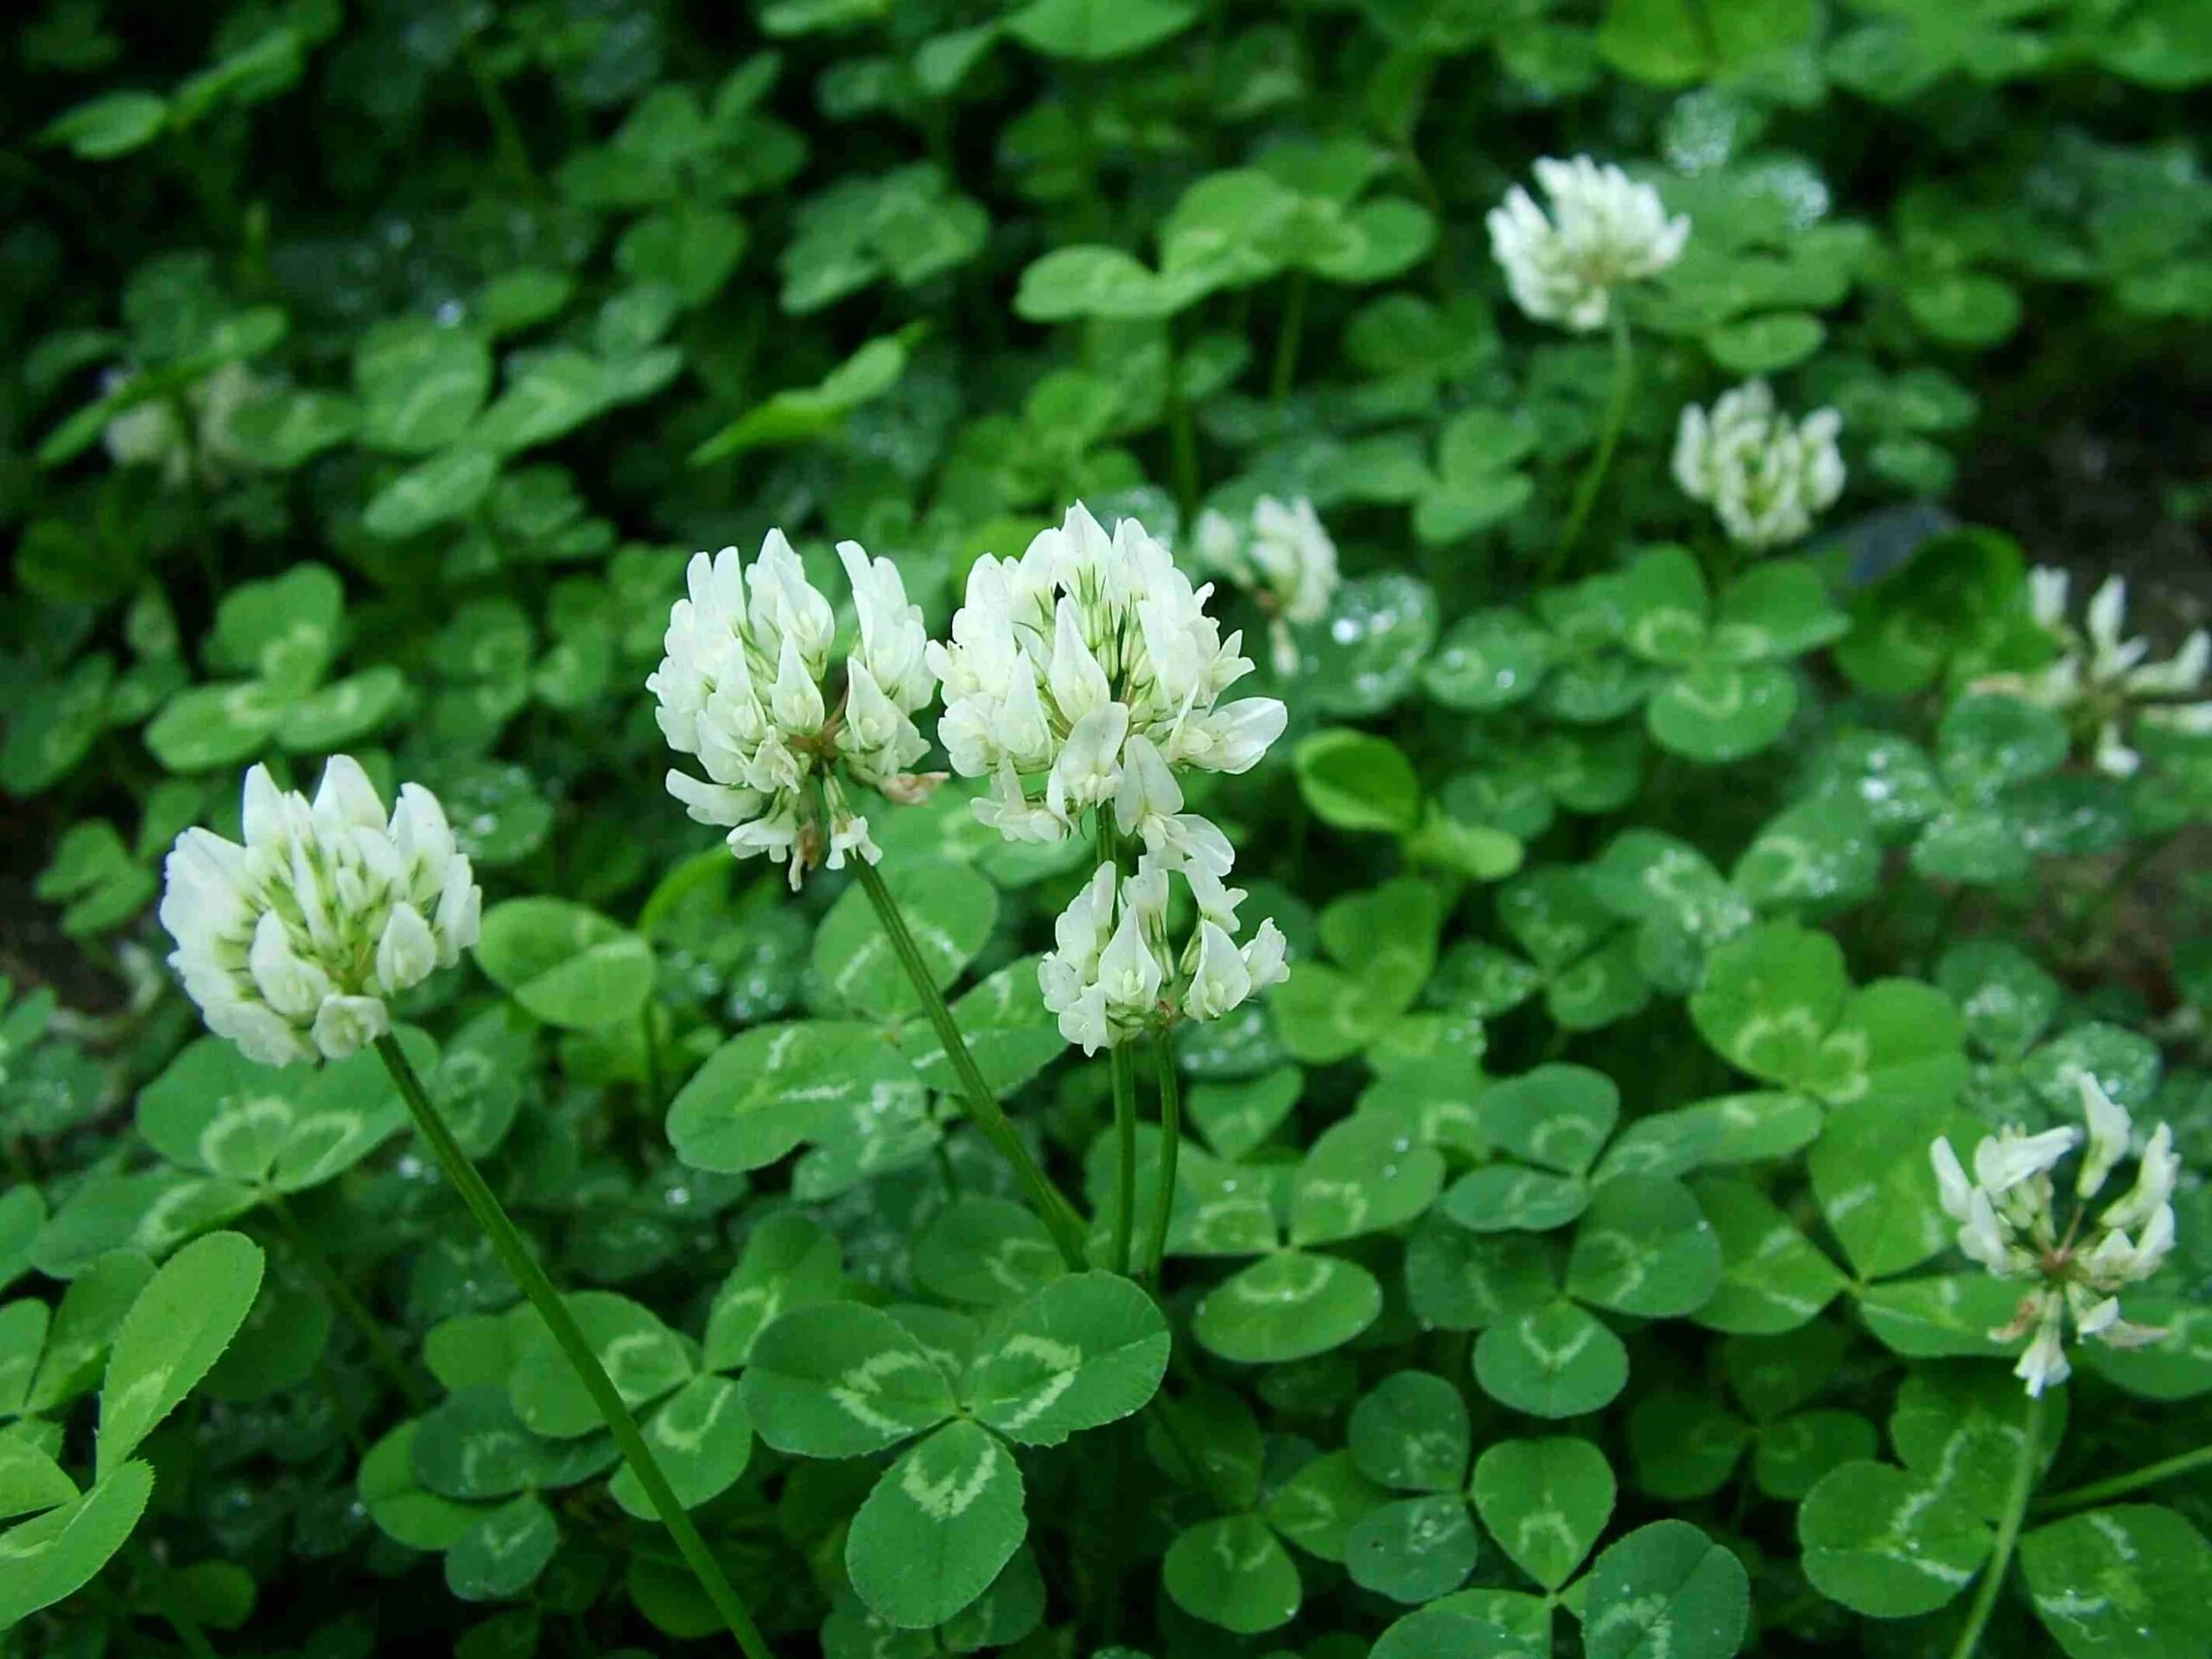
[1283,557]
[1062,659]
[1604,231]
[2008,1224]
[2102,679]
[293,943]
[154,434]
[1766,477]
[1113,972]
[745,690]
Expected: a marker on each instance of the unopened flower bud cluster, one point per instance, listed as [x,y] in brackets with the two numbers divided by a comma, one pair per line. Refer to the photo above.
[2007,1223]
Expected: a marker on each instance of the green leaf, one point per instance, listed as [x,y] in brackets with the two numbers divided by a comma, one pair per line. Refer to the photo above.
[1769,999]
[151,1212]
[2128,1582]
[29,1480]
[204,726]
[1288,1305]
[565,964]
[2179,1367]
[57,1554]
[688,245]
[1460,1280]
[950,909]
[1009,1032]
[798,413]
[214,1109]
[1557,1116]
[1317,1507]
[1796,1454]
[1506,1197]
[1069,284]
[766,1090]
[1353,780]
[101,129]
[1444,1632]
[1887,1543]
[1234,1573]
[504,1551]
[838,1380]
[641,1356]
[1366,654]
[1942,1315]
[471,1445]
[1686,1445]
[1644,1247]
[937,1527]
[1086,1349]
[1713,713]
[1772,1279]
[789,1262]
[1666,1591]
[1766,345]
[1553,1361]
[22,1212]
[1364,1175]
[420,384]
[176,1330]
[1875,1184]
[701,1438]
[1094,31]
[1411,1431]
[1413,1550]
[1236,1118]
[1545,1501]
[1961,1427]
[436,491]
[55,726]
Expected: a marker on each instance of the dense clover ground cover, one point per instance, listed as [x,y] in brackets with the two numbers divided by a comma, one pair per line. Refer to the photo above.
[1357,911]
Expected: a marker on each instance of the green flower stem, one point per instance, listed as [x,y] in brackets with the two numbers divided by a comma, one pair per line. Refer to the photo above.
[1182,435]
[1287,340]
[2008,1531]
[310,1255]
[656,1090]
[1121,1066]
[1170,1147]
[492,1219]
[1601,459]
[983,1108]
[499,116]
[2100,1491]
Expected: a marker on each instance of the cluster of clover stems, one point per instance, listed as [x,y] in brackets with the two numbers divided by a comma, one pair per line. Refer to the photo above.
[1078,680]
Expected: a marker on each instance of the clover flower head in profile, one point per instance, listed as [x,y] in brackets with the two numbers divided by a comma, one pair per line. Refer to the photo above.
[154,434]
[1086,672]
[1283,557]
[1113,973]
[1765,476]
[1603,232]
[2103,680]
[746,690]
[2007,1219]
[295,943]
